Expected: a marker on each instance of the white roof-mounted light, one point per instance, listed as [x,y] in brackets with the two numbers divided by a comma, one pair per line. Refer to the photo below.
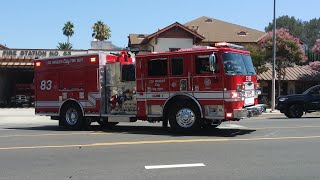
[225,44]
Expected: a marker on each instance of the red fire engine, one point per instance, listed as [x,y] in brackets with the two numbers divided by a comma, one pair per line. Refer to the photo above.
[190,88]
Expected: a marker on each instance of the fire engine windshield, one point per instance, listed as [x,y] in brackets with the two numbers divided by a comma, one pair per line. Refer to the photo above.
[238,64]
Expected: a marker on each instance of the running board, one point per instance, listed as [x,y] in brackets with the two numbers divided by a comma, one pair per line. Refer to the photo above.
[121,119]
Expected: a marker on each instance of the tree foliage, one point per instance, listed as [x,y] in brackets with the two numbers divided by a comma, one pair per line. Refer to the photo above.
[316,49]
[289,51]
[64,46]
[295,26]
[312,31]
[308,31]
[314,65]
[258,56]
[68,30]
[101,31]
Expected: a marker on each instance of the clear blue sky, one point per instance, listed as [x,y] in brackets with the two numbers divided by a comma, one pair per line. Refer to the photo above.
[38,23]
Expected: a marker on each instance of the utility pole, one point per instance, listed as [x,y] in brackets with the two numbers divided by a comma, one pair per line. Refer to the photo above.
[273,93]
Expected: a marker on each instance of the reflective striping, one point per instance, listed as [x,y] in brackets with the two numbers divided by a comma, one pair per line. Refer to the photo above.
[213,95]
[47,114]
[174,166]
[91,102]
[48,103]
[199,95]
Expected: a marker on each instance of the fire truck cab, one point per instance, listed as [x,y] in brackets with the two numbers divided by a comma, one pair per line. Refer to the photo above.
[190,89]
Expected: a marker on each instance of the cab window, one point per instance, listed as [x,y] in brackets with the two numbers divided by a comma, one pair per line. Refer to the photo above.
[157,67]
[202,64]
[177,66]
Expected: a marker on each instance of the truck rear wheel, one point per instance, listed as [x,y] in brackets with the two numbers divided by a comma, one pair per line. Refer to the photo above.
[185,117]
[72,117]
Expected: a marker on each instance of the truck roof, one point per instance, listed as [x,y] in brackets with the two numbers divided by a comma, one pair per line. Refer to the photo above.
[197,50]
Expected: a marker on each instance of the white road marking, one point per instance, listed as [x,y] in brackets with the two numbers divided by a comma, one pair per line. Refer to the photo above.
[228,126]
[174,166]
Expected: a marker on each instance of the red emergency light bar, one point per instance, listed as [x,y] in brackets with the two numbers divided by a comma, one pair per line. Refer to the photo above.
[225,44]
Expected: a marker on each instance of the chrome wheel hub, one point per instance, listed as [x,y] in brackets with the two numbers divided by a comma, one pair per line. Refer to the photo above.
[71,116]
[185,118]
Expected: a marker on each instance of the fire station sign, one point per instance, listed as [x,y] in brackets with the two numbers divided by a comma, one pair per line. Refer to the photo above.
[33,53]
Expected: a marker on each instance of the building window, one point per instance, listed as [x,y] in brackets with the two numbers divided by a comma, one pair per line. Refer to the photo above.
[242,33]
[208,21]
[174,49]
[141,36]
[157,67]
[177,66]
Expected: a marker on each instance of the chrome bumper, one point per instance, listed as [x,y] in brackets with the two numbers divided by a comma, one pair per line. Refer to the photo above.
[248,111]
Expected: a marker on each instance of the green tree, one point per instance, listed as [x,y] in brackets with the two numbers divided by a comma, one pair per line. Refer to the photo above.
[68,30]
[312,31]
[64,46]
[101,31]
[295,26]
[308,31]
[288,53]
[259,59]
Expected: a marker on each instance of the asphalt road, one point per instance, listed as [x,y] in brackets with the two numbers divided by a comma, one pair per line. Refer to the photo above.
[266,147]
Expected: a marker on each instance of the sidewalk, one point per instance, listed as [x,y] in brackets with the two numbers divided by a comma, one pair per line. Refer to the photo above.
[268,111]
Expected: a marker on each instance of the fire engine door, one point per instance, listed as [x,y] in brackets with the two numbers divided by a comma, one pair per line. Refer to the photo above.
[156,82]
[180,74]
[207,82]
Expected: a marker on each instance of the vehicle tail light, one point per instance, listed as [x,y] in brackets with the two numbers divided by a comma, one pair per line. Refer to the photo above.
[92,59]
[38,64]
[235,94]
[240,87]
[229,115]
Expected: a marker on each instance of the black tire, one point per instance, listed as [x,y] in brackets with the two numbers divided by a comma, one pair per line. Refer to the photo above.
[288,114]
[211,124]
[296,111]
[191,120]
[72,117]
[103,122]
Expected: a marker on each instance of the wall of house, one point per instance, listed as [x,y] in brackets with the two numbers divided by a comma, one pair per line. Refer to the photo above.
[164,44]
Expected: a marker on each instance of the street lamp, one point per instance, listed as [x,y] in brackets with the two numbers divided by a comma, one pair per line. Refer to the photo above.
[273,94]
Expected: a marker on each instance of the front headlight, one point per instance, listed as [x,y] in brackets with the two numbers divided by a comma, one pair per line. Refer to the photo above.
[282,99]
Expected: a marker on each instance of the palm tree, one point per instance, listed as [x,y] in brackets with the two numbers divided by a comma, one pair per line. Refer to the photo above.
[64,46]
[68,29]
[101,31]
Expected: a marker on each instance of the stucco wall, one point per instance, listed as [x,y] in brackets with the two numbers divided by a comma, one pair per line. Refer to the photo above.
[165,43]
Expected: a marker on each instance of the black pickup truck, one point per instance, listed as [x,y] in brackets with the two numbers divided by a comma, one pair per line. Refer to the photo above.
[293,106]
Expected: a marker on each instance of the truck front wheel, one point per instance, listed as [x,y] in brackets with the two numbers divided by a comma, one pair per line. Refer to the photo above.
[185,117]
[72,117]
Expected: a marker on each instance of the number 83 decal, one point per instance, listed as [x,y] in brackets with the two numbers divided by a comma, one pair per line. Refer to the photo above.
[46,85]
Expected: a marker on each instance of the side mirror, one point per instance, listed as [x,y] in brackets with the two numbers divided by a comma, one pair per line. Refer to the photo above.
[212,61]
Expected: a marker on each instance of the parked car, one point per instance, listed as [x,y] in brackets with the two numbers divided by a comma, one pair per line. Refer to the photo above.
[20,101]
[293,106]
